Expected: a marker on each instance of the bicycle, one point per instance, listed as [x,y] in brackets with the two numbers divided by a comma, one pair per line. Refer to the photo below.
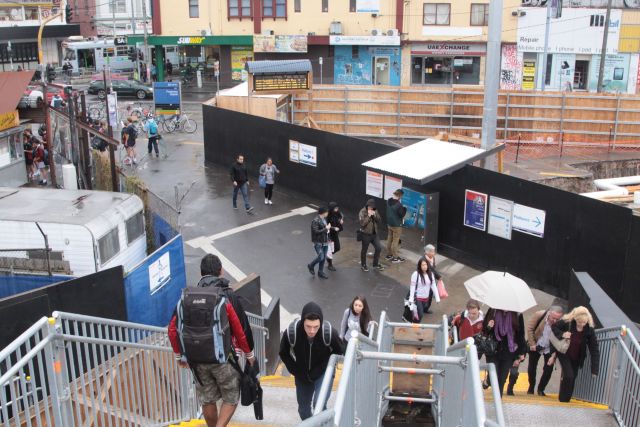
[97,111]
[181,122]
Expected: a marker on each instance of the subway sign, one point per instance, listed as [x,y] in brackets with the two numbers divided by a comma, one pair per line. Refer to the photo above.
[191,40]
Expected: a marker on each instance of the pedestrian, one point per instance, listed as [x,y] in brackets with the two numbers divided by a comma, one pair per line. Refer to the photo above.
[539,329]
[320,239]
[154,72]
[395,218]
[210,359]
[129,135]
[240,179]
[370,221]
[469,322]
[27,145]
[151,127]
[357,317]
[169,67]
[577,327]
[268,171]
[143,72]
[307,357]
[422,289]
[430,256]
[508,329]
[50,72]
[336,221]
[57,101]
[41,160]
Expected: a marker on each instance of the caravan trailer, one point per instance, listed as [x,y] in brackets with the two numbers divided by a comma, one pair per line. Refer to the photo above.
[92,230]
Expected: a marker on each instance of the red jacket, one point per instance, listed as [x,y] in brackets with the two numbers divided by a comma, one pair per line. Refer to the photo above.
[239,340]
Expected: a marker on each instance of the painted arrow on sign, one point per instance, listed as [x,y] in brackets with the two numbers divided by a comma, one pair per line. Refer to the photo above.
[537,222]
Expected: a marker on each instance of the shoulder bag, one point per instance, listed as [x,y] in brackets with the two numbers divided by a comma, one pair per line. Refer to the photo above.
[560,344]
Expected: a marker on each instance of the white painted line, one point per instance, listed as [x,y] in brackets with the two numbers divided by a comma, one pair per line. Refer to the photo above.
[237,275]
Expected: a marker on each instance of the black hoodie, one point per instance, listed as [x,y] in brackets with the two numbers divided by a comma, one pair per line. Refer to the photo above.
[223,283]
[311,356]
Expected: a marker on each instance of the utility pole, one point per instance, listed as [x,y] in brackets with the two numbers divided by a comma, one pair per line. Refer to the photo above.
[112,150]
[546,45]
[603,54]
[146,40]
[113,17]
[492,82]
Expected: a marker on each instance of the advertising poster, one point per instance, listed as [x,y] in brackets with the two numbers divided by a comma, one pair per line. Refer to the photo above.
[112,100]
[529,220]
[528,75]
[500,217]
[280,44]
[475,210]
[159,272]
[416,204]
[374,184]
[239,57]
[391,184]
[616,73]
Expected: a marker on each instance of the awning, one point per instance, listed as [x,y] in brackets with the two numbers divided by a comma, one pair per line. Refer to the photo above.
[12,86]
[427,160]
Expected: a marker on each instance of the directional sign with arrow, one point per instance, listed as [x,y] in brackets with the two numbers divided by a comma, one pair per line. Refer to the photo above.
[529,220]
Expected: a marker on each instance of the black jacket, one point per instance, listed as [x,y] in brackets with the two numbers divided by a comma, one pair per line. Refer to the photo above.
[223,283]
[503,352]
[239,173]
[311,359]
[334,219]
[588,340]
[319,230]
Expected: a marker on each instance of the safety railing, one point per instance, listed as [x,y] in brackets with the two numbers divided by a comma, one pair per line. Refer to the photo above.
[618,382]
[260,337]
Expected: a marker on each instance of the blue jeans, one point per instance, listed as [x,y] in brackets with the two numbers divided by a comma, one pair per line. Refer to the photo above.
[307,395]
[321,250]
[244,188]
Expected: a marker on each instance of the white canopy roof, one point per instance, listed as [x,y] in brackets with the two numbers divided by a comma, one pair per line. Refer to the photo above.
[242,89]
[427,160]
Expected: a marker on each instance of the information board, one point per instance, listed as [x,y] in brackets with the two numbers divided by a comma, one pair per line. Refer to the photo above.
[529,220]
[374,184]
[475,210]
[500,217]
[303,153]
[167,97]
[391,184]
[284,82]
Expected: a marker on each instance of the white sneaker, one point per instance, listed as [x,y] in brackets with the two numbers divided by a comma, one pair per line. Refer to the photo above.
[266,202]
[270,202]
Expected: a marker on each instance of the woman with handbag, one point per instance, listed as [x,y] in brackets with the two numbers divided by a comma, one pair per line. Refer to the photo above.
[430,256]
[268,173]
[422,290]
[573,334]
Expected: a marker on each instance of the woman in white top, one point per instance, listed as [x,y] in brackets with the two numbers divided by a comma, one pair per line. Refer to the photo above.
[423,287]
[356,318]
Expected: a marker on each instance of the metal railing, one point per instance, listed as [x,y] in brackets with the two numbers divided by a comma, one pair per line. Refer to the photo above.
[260,337]
[618,382]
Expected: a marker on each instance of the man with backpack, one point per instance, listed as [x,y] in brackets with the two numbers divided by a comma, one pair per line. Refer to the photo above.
[151,127]
[209,307]
[128,137]
[305,349]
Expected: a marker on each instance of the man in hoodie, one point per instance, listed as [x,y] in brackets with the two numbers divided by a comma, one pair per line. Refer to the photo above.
[240,179]
[395,218]
[370,222]
[320,239]
[308,357]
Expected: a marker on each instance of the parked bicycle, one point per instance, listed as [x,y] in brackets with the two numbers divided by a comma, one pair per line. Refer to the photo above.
[181,122]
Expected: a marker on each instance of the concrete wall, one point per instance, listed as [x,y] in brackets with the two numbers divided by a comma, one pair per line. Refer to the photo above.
[13,175]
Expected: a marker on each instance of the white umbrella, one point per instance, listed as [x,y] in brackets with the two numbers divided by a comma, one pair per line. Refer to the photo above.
[501,291]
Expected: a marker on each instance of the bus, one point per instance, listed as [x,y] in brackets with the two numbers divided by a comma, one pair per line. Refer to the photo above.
[97,54]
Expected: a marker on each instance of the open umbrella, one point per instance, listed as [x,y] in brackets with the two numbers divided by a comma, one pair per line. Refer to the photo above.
[501,291]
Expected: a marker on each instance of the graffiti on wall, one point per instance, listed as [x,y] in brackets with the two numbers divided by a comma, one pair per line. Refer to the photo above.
[598,4]
[511,68]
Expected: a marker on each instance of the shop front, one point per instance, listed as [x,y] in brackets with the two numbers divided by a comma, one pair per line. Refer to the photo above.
[367,60]
[447,63]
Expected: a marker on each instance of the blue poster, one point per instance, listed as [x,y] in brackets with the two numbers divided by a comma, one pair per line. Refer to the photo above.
[475,210]
[167,97]
[416,204]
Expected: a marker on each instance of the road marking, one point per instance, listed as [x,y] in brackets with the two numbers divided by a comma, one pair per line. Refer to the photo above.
[238,275]
[199,241]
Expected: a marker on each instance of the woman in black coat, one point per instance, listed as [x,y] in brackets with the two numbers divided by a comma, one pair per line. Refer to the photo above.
[335,219]
[577,326]
[508,329]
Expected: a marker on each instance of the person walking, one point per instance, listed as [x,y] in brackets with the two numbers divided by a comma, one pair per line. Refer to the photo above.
[370,221]
[469,323]
[40,160]
[395,218]
[336,221]
[268,171]
[240,179]
[28,141]
[169,67]
[539,329]
[210,359]
[357,317]
[421,289]
[508,329]
[129,135]
[151,127]
[320,239]
[305,349]
[577,327]
[430,256]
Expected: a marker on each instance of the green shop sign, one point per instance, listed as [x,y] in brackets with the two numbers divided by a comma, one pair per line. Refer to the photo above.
[192,40]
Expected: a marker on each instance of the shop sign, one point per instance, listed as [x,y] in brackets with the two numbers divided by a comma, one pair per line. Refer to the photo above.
[368,6]
[449,49]
[280,44]
[616,4]
[191,40]
[364,40]
[284,82]
[528,75]
[9,120]
[575,32]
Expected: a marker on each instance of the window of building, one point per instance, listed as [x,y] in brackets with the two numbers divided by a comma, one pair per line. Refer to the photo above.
[107,52]
[325,5]
[119,5]
[480,15]
[445,70]
[135,227]
[194,9]
[352,5]
[297,5]
[108,246]
[31,13]
[274,8]
[239,8]
[436,14]
[355,52]
[596,21]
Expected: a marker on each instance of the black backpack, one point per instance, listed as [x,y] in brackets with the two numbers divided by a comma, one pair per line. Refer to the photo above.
[203,326]
[292,332]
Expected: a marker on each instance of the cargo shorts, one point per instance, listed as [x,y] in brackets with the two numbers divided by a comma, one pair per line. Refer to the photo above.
[218,382]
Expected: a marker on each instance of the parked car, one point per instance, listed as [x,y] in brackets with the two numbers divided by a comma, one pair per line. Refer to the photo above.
[32,97]
[122,88]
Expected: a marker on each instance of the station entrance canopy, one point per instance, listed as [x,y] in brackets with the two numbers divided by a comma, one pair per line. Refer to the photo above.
[428,160]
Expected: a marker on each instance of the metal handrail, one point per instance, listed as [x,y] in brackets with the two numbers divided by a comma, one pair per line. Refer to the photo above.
[327,383]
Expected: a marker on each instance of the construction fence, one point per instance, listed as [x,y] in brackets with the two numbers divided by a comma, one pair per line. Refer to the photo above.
[540,124]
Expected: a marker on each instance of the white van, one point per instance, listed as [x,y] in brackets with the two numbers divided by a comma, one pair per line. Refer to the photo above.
[93,230]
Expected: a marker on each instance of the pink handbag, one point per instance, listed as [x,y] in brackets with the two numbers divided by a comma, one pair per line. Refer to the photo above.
[442,291]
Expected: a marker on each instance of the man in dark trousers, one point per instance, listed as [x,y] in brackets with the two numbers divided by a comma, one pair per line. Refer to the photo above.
[395,218]
[240,179]
[370,222]
[305,349]
[320,239]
